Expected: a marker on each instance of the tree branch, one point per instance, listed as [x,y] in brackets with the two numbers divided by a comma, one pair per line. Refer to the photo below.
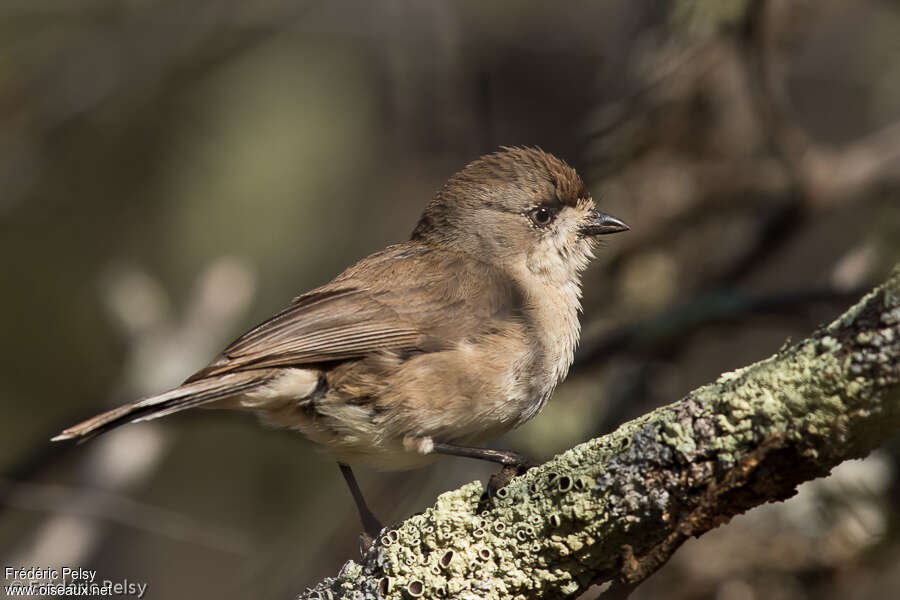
[617,507]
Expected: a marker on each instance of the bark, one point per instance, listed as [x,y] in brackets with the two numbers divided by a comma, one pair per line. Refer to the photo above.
[617,507]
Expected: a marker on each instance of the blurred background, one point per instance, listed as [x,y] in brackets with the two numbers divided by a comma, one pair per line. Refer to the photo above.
[171,173]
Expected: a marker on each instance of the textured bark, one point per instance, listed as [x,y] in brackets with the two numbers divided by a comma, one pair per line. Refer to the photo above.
[617,507]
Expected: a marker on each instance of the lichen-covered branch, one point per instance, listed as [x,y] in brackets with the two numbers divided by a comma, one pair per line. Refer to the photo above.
[617,507]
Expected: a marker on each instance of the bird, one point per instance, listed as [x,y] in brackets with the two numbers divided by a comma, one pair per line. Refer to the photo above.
[430,347]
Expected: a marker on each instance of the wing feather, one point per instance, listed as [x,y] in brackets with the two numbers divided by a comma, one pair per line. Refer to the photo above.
[405,298]
[320,327]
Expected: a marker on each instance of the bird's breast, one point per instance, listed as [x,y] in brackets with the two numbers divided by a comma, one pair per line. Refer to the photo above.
[554,329]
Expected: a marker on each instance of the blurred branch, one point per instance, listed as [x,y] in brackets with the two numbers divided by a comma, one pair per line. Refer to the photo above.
[825,175]
[675,323]
[114,508]
[617,507]
[710,116]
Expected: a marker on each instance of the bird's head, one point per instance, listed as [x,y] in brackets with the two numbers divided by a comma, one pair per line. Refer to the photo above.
[519,208]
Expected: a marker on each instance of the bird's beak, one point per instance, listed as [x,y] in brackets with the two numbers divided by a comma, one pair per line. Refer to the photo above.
[601,223]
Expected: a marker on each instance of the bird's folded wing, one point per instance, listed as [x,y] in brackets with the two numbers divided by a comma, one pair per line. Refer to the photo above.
[325,325]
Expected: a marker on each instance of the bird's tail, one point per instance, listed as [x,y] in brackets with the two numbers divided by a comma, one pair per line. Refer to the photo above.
[188,395]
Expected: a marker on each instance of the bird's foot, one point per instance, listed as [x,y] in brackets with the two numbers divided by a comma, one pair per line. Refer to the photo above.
[503,477]
[365,542]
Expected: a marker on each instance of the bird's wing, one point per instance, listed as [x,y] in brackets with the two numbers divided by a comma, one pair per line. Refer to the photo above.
[330,324]
[404,298]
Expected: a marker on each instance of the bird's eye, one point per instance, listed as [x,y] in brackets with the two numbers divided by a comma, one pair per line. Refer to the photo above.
[542,216]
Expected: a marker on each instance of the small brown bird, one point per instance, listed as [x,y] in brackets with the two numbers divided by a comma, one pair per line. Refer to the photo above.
[428,347]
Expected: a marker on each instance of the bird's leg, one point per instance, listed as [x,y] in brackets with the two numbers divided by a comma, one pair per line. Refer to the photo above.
[513,462]
[371,525]
[507,458]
